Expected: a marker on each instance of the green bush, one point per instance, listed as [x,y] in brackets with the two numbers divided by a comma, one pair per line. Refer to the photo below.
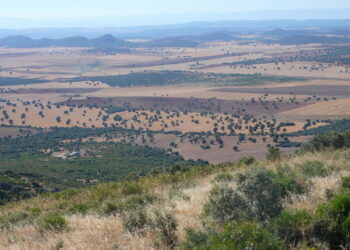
[20,218]
[54,223]
[226,205]
[332,222]
[135,220]
[314,169]
[165,225]
[345,182]
[14,219]
[294,227]
[67,194]
[263,195]
[224,177]
[110,208]
[132,188]
[128,203]
[195,240]
[79,209]
[245,235]
[274,154]
[136,200]
[248,160]
[290,182]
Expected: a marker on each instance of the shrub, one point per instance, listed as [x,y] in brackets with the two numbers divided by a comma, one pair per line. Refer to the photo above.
[67,194]
[132,188]
[290,182]
[273,154]
[54,223]
[345,182]
[332,223]
[110,208]
[165,225]
[135,220]
[226,205]
[19,218]
[294,227]
[14,219]
[224,177]
[245,235]
[58,245]
[79,209]
[128,203]
[136,200]
[195,240]
[248,160]
[314,169]
[264,196]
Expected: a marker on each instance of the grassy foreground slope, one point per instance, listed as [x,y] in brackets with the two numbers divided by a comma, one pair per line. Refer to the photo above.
[302,202]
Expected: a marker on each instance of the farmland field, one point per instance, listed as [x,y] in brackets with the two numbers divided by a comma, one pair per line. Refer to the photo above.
[214,101]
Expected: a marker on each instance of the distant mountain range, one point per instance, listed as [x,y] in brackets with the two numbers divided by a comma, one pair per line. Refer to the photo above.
[185,29]
[106,41]
[302,35]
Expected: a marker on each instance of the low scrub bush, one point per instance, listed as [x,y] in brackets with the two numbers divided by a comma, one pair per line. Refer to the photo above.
[20,218]
[245,235]
[67,194]
[332,222]
[129,202]
[263,195]
[54,223]
[79,209]
[294,227]
[274,154]
[14,219]
[136,200]
[314,169]
[224,177]
[226,205]
[290,182]
[196,240]
[248,160]
[135,220]
[132,188]
[165,225]
[345,182]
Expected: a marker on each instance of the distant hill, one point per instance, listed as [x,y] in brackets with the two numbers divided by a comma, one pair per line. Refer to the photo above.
[171,42]
[106,41]
[286,32]
[306,39]
[342,32]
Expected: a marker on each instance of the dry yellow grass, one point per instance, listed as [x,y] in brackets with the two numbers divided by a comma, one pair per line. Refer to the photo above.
[105,232]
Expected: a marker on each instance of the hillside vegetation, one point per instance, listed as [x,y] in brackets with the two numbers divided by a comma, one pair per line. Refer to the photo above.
[301,201]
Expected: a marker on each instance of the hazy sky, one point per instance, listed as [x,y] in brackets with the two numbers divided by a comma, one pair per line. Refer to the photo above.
[93,8]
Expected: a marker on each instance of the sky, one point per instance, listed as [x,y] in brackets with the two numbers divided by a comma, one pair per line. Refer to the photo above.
[95,8]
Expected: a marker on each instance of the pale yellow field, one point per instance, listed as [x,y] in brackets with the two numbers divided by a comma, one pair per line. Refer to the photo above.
[55,63]
[336,107]
[189,91]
